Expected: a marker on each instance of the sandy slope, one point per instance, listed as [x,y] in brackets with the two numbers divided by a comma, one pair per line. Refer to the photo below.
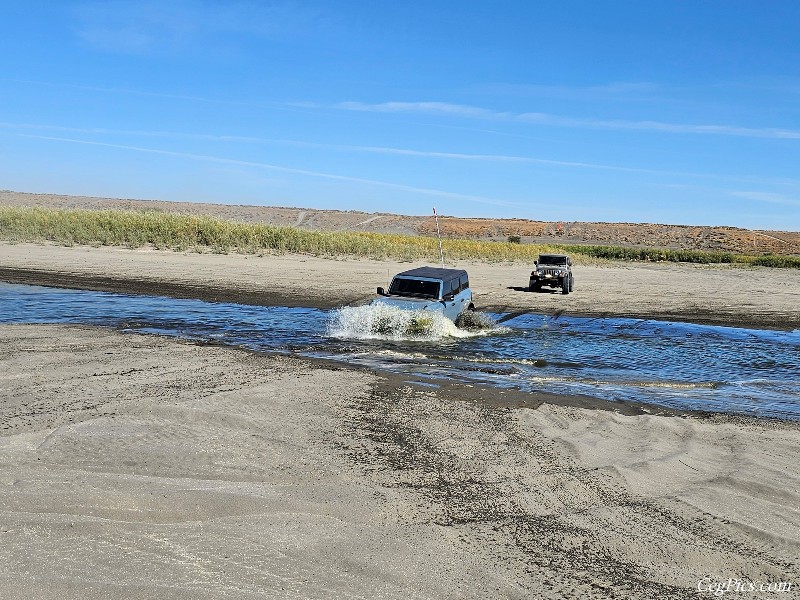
[141,467]
[759,297]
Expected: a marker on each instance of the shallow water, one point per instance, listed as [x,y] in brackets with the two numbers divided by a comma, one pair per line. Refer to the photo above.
[679,365]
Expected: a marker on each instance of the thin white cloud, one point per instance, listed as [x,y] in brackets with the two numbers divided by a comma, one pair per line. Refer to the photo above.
[445,108]
[755,195]
[472,112]
[282,169]
[150,26]
[539,118]
[138,133]
[618,90]
[501,158]
[166,95]
[493,158]
[498,158]
[768,197]
[672,127]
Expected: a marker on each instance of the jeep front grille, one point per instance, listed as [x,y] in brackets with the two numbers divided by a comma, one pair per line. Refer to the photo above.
[553,272]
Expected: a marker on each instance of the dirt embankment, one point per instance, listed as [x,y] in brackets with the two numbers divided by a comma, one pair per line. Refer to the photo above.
[730,239]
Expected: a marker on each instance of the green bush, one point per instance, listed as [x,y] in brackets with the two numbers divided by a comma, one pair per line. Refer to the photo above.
[135,229]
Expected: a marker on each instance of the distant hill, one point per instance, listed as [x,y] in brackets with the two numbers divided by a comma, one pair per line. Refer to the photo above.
[730,239]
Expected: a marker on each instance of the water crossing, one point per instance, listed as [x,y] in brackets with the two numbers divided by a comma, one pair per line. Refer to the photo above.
[679,365]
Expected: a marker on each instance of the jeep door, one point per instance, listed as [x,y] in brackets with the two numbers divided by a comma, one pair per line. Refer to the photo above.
[461,297]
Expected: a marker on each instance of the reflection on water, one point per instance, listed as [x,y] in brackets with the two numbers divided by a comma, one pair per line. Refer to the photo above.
[673,364]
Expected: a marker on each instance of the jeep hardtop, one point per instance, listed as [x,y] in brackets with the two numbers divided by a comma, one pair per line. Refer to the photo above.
[554,271]
[429,288]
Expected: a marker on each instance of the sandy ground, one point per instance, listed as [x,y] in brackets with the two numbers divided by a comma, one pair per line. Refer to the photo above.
[757,297]
[145,467]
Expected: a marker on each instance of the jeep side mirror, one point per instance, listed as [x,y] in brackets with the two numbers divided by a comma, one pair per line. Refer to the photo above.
[536,263]
[448,297]
[381,292]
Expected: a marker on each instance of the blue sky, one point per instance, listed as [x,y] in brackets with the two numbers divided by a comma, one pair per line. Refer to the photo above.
[675,111]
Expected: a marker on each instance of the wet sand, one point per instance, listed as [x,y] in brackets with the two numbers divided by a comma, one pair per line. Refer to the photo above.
[143,467]
[724,295]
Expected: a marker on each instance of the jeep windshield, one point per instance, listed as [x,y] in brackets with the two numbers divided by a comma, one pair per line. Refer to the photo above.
[414,288]
[556,261]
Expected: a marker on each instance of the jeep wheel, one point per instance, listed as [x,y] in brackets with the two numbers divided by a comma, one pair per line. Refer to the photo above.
[565,286]
[535,287]
[571,283]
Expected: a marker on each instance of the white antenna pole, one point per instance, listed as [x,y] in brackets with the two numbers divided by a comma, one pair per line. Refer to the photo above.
[439,235]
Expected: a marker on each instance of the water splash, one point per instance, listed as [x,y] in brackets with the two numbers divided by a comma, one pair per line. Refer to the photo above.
[473,320]
[380,321]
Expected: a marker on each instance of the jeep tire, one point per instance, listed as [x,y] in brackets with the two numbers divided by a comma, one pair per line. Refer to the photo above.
[565,285]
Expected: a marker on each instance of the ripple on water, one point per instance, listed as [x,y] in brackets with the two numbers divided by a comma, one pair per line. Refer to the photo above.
[681,365]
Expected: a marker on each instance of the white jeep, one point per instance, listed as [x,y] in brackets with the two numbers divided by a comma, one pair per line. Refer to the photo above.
[429,288]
